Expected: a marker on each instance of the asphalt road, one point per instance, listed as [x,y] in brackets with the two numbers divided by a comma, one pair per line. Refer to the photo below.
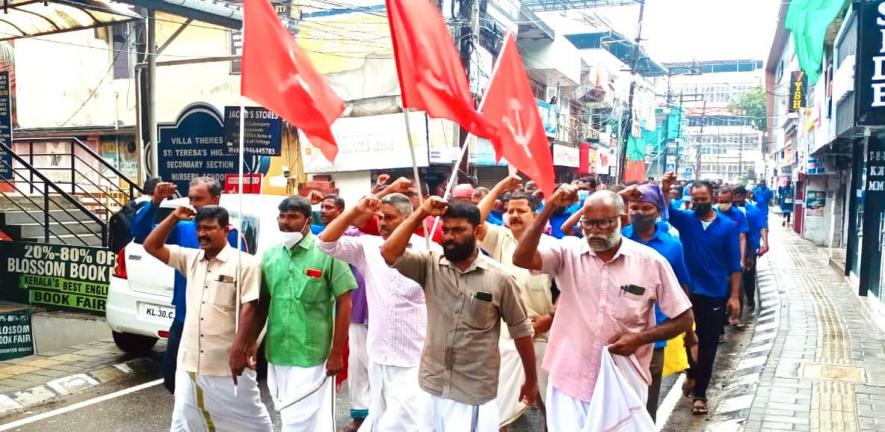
[150,408]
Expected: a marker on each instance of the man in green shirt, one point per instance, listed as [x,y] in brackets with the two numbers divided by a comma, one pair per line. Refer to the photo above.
[305,297]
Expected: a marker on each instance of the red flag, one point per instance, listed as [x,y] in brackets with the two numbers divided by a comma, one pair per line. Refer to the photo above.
[431,76]
[277,75]
[510,105]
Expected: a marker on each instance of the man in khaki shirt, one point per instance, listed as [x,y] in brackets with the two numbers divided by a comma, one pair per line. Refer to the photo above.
[534,289]
[467,296]
[210,392]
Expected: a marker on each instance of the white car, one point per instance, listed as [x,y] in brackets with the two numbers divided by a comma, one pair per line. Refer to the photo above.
[139,306]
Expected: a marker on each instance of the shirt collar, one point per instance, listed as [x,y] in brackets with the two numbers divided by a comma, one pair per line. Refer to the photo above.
[307,242]
[222,256]
[479,262]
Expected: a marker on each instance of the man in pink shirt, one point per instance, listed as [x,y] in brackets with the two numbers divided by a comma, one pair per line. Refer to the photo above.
[609,286]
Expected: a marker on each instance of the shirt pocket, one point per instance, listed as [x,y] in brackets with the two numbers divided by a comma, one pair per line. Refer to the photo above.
[479,314]
[314,290]
[631,310]
[222,294]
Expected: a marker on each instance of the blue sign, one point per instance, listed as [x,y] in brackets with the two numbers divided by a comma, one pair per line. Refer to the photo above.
[483,154]
[263,131]
[5,127]
[550,116]
[194,146]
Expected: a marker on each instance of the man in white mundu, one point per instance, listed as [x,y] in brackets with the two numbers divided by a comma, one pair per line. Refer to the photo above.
[210,393]
[397,315]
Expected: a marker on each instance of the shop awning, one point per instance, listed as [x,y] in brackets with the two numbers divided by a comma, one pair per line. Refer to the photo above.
[29,18]
[220,13]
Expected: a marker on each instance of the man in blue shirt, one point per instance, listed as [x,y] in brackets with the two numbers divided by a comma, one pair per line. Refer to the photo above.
[646,229]
[203,192]
[711,241]
[757,242]
[330,207]
[762,195]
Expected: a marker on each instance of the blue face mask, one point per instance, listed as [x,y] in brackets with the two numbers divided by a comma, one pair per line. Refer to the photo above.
[583,194]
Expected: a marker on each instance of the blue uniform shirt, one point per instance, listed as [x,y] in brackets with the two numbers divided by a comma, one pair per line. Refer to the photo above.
[737,216]
[671,249]
[757,221]
[715,252]
[762,195]
[316,229]
[494,220]
[185,235]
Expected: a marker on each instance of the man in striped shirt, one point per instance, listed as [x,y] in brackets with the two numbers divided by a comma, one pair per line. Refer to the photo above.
[397,314]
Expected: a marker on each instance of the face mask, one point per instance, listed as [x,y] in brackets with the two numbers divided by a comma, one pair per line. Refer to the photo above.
[702,209]
[290,239]
[582,195]
[725,207]
[642,222]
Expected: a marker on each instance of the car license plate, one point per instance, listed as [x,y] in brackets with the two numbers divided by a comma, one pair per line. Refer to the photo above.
[156,312]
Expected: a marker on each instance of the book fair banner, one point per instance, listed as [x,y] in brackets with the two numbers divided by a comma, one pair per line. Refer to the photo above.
[56,276]
[16,334]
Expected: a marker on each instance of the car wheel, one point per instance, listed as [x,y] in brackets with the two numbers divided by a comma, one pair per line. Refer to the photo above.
[133,343]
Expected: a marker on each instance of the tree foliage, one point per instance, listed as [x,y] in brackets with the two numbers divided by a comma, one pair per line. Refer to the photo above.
[752,104]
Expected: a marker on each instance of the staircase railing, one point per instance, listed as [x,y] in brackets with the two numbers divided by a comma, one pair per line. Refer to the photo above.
[110,189]
[62,200]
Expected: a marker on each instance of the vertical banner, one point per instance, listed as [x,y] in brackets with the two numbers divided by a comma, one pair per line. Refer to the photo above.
[798,89]
[869,74]
[16,334]
[5,127]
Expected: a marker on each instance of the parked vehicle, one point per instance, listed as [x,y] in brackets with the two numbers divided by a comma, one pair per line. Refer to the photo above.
[139,305]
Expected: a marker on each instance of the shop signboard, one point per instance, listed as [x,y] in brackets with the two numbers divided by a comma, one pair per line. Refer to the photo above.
[5,127]
[251,183]
[550,117]
[16,334]
[870,64]
[263,130]
[367,143]
[798,89]
[194,146]
[566,156]
[64,277]
[815,201]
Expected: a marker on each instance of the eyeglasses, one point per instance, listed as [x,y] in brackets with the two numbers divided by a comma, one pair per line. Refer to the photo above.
[602,224]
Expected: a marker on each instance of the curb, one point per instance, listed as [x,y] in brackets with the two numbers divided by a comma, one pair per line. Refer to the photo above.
[737,397]
[19,400]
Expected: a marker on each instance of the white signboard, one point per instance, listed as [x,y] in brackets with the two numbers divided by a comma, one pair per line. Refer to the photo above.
[367,143]
[566,156]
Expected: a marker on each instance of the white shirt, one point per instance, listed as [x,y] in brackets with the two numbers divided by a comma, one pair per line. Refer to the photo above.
[397,312]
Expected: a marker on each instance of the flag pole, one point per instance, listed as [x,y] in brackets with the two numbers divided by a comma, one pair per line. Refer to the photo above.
[415,172]
[466,146]
[240,227]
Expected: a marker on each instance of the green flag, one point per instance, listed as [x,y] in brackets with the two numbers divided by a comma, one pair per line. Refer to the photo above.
[808,20]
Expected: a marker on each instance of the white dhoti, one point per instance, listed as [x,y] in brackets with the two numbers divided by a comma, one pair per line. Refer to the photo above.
[207,403]
[358,371]
[511,377]
[447,415]
[398,403]
[313,413]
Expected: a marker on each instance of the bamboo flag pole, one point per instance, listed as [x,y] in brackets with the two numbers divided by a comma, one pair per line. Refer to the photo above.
[418,187]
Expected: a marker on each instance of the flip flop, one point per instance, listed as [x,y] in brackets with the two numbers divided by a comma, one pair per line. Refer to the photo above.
[699,409]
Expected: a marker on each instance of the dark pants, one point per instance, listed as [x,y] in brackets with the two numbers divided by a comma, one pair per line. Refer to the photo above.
[749,282]
[171,356]
[654,390]
[709,318]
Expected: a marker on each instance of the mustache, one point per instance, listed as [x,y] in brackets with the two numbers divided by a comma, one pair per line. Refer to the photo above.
[204,238]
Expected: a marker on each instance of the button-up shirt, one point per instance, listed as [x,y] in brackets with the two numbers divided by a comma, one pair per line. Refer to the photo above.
[594,306]
[303,283]
[460,360]
[757,221]
[534,289]
[714,252]
[398,317]
[209,331]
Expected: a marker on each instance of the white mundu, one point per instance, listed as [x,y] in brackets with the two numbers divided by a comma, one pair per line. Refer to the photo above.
[206,403]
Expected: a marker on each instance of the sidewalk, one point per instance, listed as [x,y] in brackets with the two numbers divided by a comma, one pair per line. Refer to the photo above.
[816,361]
[32,380]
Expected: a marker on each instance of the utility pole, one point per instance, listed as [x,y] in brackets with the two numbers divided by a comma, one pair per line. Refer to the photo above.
[636,52]
[698,151]
[468,11]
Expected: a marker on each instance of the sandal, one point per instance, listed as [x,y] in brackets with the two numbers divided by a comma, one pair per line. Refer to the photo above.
[699,409]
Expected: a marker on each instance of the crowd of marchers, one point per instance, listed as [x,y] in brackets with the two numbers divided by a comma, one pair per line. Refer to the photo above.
[455,314]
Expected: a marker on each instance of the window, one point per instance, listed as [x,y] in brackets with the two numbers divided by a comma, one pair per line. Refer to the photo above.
[122,43]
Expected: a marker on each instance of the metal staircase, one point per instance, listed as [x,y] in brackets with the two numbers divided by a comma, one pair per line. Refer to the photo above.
[64,197]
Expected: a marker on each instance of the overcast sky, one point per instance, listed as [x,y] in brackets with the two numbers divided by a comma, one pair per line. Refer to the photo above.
[685,30]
